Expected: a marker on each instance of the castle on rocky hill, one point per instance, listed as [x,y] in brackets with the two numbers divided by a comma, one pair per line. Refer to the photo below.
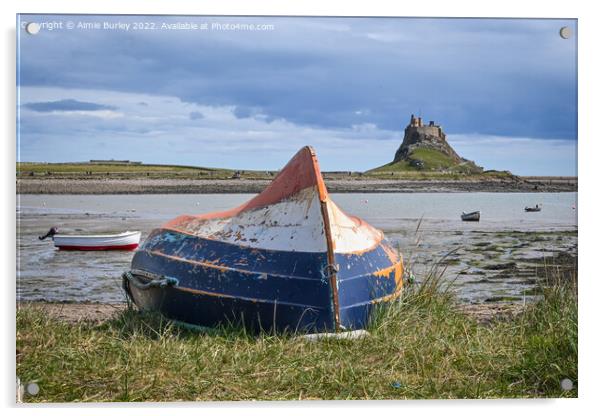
[430,137]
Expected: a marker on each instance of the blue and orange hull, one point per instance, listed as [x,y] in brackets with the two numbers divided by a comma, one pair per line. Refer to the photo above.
[219,283]
[289,259]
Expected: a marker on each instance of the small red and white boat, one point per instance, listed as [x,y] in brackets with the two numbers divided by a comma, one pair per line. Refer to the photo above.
[128,240]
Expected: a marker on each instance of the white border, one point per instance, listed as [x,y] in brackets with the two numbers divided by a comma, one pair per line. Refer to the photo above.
[589,155]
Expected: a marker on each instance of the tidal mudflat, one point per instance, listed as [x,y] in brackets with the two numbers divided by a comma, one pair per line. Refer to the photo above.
[499,259]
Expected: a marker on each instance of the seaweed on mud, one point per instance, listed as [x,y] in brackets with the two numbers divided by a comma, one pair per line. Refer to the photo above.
[496,299]
[500,266]
[481,244]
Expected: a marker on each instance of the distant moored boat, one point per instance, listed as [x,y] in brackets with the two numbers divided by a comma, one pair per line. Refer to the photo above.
[536,208]
[123,241]
[471,216]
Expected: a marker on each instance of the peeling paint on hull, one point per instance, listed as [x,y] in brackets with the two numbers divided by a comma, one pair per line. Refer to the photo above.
[289,259]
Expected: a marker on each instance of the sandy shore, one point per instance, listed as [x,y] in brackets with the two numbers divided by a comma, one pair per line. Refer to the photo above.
[77,312]
[211,186]
[101,312]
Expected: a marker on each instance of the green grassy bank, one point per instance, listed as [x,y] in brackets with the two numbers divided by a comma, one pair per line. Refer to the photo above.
[398,170]
[102,170]
[420,347]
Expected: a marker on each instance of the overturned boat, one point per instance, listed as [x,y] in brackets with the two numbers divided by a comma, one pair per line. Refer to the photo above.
[288,259]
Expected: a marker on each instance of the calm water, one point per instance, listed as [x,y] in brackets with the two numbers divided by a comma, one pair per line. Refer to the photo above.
[46,273]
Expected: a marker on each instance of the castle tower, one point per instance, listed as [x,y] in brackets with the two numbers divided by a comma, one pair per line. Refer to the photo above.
[413,121]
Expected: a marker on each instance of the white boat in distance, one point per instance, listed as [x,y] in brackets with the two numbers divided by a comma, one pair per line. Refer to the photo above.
[128,240]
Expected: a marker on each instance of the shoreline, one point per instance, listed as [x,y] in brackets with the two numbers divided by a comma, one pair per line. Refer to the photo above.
[232,186]
[100,312]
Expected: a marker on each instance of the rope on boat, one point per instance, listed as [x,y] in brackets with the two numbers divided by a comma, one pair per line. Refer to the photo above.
[327,271]
[156,281]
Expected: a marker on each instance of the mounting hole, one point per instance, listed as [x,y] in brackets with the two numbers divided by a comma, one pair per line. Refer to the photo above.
[32,389]
[565,32]
[32,28]
[566,384]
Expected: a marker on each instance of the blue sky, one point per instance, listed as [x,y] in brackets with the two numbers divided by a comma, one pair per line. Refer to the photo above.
[503,90]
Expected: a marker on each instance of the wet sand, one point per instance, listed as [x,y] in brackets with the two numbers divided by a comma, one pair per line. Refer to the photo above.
[228,186]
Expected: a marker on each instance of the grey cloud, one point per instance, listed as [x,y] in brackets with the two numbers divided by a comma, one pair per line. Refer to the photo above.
[196,115]
[67,105]
[494,76]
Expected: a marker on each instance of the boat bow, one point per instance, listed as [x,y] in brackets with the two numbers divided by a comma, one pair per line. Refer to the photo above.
[289,253]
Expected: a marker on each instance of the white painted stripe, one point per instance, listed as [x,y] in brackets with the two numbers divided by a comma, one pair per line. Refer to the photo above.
[294,224]
[350,234]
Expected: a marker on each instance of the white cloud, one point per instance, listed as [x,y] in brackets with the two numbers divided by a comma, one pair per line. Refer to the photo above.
[386,37]
[95,113]
[520,155]
[162,132]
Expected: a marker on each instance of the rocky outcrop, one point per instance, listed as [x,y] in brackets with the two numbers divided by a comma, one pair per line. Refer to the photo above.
[431,136]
